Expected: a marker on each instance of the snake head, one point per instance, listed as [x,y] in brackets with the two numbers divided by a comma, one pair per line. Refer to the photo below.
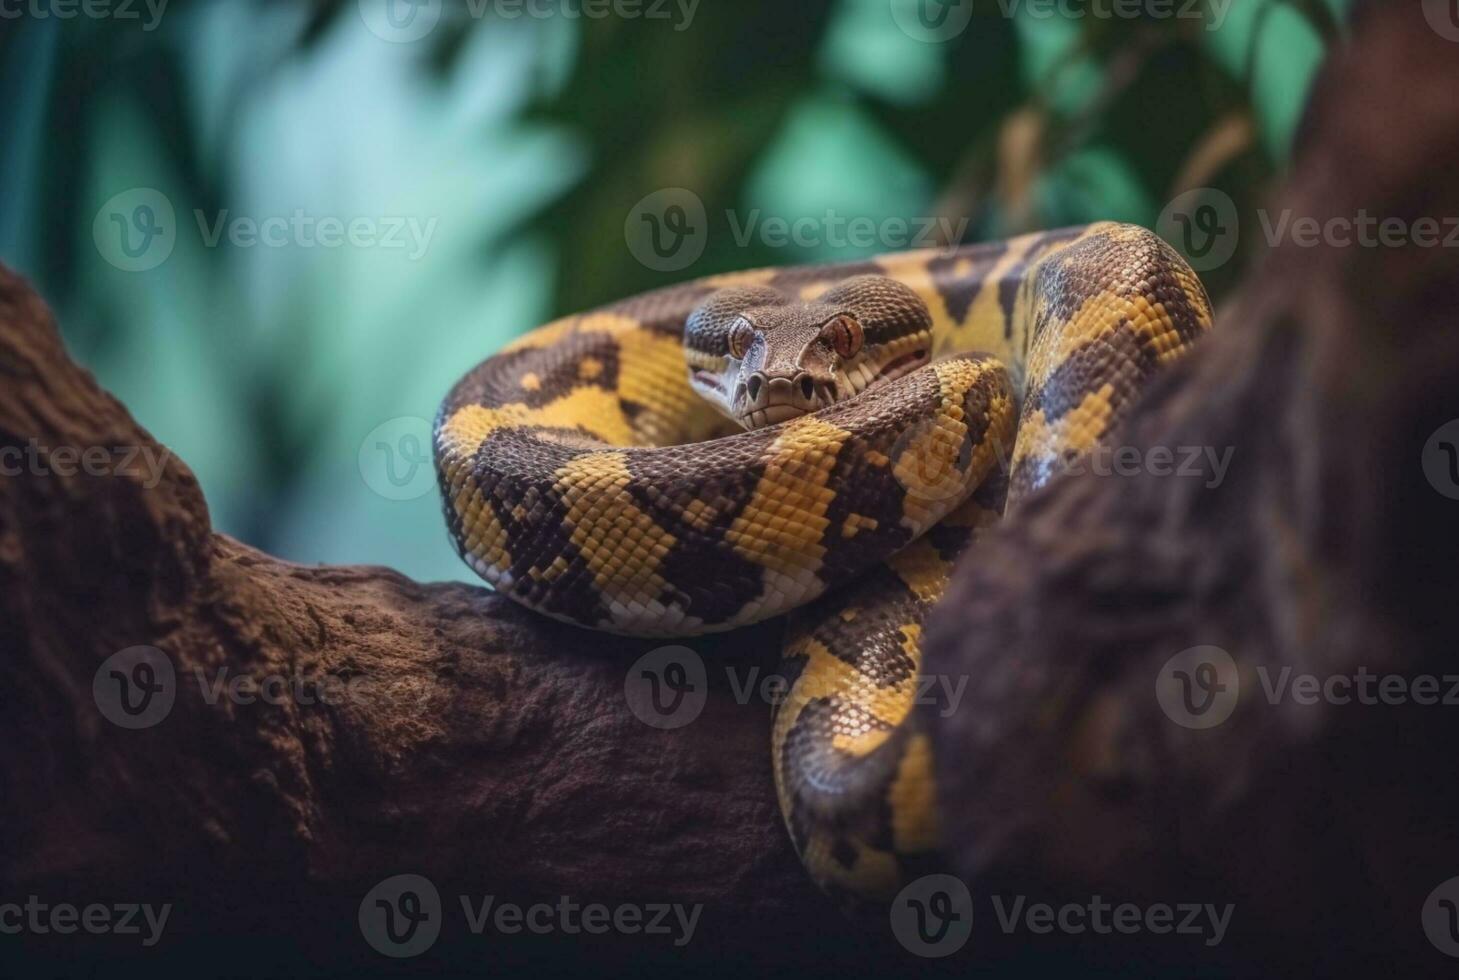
[762,358]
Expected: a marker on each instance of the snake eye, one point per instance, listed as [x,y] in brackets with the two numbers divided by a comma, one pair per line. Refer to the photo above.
[844,335]
[741,336]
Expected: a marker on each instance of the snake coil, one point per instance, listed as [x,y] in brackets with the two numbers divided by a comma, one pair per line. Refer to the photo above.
[588,473]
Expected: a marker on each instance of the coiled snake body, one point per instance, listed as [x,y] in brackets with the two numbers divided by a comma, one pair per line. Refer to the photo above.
[595,470]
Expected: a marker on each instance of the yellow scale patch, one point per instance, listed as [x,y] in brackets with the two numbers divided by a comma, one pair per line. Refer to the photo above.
[855,522]
[782,525]
[594,410]
[622,546]
[1078,429]
[874,874]
[485,538]
[699,514]
[1098,317]
[928,465]
[652,373]
[914,800]
[922,569]
[827,676]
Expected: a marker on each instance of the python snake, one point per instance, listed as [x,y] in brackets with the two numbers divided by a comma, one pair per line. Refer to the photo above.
[826,439]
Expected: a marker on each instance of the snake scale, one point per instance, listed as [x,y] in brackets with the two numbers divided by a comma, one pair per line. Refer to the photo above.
[826,439]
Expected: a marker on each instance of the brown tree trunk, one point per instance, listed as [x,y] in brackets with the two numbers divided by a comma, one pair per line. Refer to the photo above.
[1327,548]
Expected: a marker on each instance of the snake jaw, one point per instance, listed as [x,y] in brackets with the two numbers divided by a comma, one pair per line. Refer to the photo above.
[761,400]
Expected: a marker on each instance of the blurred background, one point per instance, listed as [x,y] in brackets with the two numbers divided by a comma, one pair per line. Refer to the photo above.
[280,231]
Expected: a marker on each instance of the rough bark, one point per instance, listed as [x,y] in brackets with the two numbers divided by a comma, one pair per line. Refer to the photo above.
[1324,549]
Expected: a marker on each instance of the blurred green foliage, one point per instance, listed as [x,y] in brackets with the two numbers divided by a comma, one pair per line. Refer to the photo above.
[522,143]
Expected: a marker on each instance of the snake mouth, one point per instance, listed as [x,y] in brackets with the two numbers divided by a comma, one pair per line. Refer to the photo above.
[709,381]
[899,366]
[773,415]
[760,400]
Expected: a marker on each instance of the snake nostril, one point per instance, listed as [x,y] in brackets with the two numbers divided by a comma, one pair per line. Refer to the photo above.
[754,388]
[807,387]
